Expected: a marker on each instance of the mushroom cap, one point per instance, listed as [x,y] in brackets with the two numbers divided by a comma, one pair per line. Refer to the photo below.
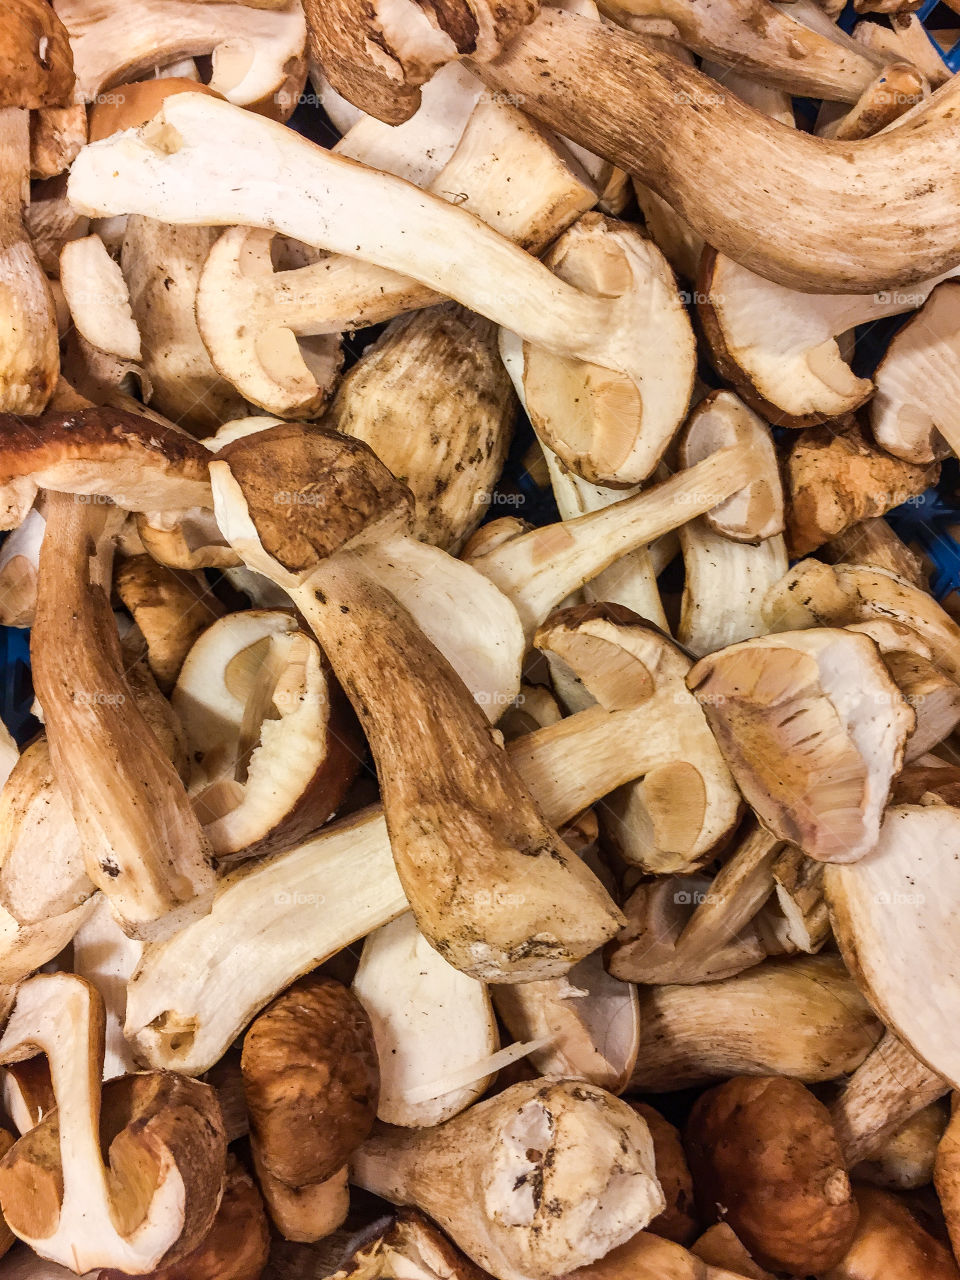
[36,62]
[137,462]
[128,106]
[309,492]
[312,1080]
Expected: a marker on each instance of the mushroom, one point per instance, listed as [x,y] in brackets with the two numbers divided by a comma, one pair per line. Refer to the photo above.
[905,1161]
[57,135]
[434,1026]
[719,1246]
[801,1017]
[650,1257]
[892,93]
[724,586]
[545,1177]
[905,38]
[794,374]
[405,1244]
[765,1158]
[36,70]
[611,426]
[273,745]
[98,298]
[813,729]
[311,1079]
[252,48]
[888,1230]
[643,725]
[798,882]
[106,957]
[891,917]
[157,1195]
[911,414]
[873,542]
[834,481]
[730,470]
[19,557]
[472,836]
[438,369]
[50,222]
[946,1176]
[678,1220]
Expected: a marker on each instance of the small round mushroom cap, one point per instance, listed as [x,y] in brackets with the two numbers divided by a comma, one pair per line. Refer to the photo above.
[312,1080]
[36,62]
[311,492]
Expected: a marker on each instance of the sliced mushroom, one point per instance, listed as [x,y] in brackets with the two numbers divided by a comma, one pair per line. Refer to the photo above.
[813,729]
[833,481]
[98,298]
[496,1178]
[157,1195]
[432,400]
[798,881]
[273,745]
[801,1017]
[431,1023]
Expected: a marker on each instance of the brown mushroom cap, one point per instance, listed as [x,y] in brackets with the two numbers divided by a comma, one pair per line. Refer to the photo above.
[312,1080]
[36,62]
[128,106]
[889,1243]
[311,491]
[678,1221]
[764,1155]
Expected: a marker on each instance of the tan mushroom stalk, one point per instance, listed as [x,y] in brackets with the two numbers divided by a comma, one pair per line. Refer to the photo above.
[542,1179]
[813,729]
[310,1078]
[157,1196]
[724,586]
[36,70]
[432,400]
[106,957]
[873,542]
[794,373]
[891,94]
[451,840]
[272,744]
[730,471]
[432,1025]
[802,1017]
[251,48]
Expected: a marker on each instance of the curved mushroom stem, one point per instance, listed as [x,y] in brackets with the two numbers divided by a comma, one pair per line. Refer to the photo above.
[29,353]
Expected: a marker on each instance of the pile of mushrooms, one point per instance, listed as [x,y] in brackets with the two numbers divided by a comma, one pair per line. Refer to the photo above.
[491,802]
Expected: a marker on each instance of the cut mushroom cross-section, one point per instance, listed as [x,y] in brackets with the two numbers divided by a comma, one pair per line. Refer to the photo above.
[452,838]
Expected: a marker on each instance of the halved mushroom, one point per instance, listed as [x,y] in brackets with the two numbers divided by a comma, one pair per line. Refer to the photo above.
[892,916]
[834,480]
[252,48]
[813,729]
[802,1017]
[432,400]
[545,1177]
[98,298]
[793,372]
[912,414]
[273,746]
[157,1195]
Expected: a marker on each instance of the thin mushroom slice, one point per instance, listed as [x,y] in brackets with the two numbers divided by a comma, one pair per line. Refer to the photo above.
[478,1176]
[431,1024]
[892,916]
[813,729]
[792,372]
[913,414]
[156,1196]
[272,744]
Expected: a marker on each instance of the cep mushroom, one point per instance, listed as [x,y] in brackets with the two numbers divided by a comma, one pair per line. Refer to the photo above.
[156,1196]
[545,1177]
[471,836]
[813,729]
[887,1229]
[36,70]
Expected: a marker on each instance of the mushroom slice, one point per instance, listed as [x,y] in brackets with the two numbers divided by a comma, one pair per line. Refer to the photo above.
[737,892]
[590,1019]
[813,729]
[724,585]
[733,469]
[814,594]
[161,265]
[913,413]
[251,48]
[644,725]
[157,1195]
[833,481]
[612,427]
[272,743]
[438,369]
[98,299]
[496,1178]
[801,1017]
[431,1023]
[792,372]
[892,916]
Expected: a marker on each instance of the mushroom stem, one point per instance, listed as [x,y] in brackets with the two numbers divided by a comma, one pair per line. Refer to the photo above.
[28,323]
[737,893]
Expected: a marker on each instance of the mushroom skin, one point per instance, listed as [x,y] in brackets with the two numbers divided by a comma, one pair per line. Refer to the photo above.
[765,1157]
[888,1233]
[678,1222]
